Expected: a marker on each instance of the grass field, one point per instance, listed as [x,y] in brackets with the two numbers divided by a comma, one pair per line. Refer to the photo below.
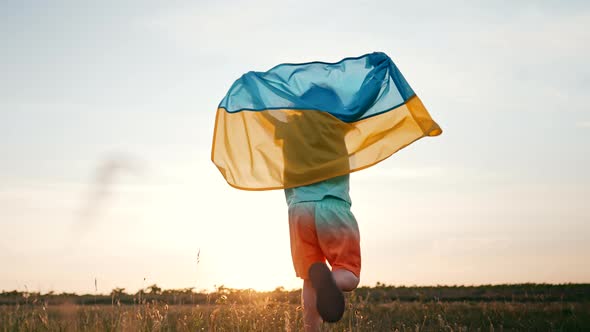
[369,309]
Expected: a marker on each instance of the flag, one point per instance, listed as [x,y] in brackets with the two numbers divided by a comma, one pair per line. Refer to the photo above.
[298,124]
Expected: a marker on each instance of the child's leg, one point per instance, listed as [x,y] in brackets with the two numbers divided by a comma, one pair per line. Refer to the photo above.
[305,251]
[311,317]
[345,280]
[339,238]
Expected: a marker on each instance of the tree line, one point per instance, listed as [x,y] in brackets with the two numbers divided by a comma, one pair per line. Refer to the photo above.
[380,293]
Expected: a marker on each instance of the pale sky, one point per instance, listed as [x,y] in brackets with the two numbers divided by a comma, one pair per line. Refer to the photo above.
[107,111]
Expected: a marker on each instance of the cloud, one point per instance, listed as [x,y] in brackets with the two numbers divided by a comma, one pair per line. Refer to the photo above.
[273,29]
[469,246]
[445,174]
[538,35]
[398,173]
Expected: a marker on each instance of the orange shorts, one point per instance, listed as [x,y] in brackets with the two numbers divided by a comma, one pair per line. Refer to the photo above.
[324,230]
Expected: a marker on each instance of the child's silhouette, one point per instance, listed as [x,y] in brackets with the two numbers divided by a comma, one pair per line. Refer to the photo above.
[321,225]
[313,141]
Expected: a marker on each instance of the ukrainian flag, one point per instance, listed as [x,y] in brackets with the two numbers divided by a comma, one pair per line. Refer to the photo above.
[298,124]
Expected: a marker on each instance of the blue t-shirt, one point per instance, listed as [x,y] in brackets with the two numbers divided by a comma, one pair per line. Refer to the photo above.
[336,187]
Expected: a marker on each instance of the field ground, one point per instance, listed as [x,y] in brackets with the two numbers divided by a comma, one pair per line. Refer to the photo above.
[537,308]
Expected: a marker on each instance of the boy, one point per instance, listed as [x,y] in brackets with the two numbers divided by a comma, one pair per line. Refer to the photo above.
[303,128]
[322,227]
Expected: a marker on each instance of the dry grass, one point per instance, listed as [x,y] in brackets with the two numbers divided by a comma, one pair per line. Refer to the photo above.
[272,315]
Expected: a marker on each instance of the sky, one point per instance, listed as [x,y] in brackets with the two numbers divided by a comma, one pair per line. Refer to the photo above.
[107,111]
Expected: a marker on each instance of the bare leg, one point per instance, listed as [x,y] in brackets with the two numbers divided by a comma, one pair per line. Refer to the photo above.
[311,317]
[345,280]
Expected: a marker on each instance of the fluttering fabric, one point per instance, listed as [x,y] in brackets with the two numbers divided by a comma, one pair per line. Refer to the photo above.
[298,124]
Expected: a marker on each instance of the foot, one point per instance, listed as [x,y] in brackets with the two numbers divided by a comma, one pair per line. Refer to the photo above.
[329,298]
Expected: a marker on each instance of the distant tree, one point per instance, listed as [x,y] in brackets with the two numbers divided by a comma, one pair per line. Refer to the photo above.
[188,290]
[154,289]
[116,295]
[117,292]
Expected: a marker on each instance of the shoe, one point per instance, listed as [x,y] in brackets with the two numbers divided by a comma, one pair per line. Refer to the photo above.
[329,298]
